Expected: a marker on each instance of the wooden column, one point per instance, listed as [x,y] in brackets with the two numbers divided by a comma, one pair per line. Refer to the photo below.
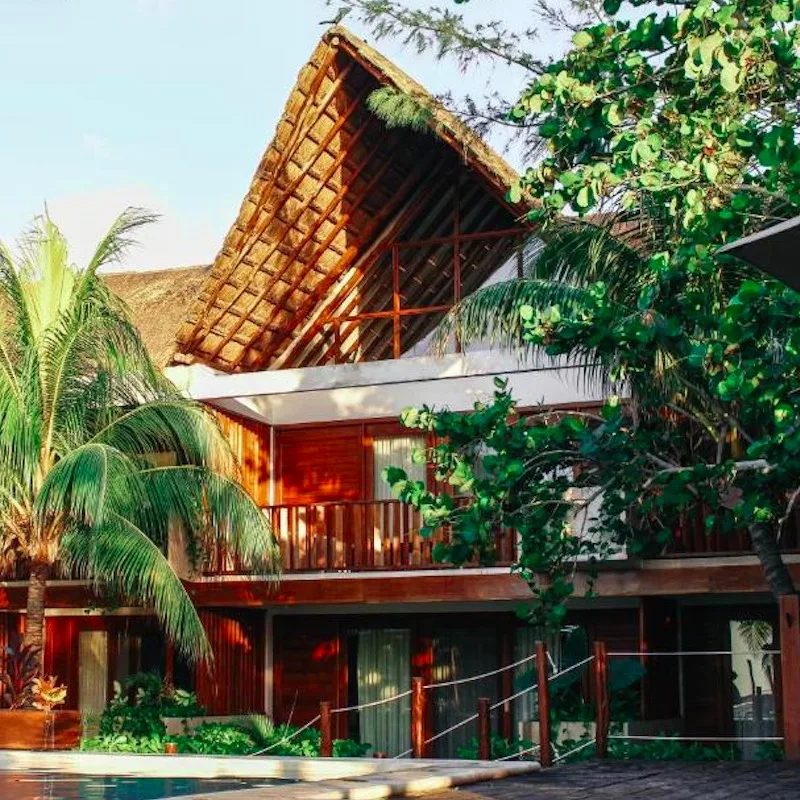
[543,693]
[417,718]
[325,737]
[601,698]
[790,675]
[169,665]
[396,346]
[484,730]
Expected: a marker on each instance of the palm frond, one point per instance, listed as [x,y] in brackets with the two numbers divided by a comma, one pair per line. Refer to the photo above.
[175,426]
[120,555]
[118,239]
[215,511]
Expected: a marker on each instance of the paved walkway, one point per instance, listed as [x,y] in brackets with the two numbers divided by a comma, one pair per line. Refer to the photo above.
[646,780]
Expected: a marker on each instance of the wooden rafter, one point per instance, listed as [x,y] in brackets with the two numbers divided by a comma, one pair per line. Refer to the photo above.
[289,260]
[436,186]
[269,186]
[339,226]
[350,255]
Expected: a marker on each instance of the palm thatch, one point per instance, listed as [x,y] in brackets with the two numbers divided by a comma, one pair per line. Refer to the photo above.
[335,185]
[157,302]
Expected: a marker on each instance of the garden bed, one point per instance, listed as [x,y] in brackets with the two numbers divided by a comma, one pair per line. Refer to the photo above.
[29,729]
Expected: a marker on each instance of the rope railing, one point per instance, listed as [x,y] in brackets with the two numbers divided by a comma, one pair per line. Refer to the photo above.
[646,653]
[372,704]
[491,673]
[286,739]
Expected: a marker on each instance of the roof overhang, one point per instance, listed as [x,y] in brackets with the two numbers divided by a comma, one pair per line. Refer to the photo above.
[775,250]
[380,389]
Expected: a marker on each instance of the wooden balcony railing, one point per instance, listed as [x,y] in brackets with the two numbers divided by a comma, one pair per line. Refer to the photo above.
[356,535]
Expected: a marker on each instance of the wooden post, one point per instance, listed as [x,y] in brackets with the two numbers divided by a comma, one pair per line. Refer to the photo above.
[543,694]
[417,718]
[601,698]
[325,737]
[484,730]
[396,346]
[790,675]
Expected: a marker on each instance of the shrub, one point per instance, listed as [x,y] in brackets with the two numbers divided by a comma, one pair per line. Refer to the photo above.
[500,748]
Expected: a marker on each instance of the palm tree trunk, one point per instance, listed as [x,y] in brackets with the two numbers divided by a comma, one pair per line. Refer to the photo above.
[765,546]
[34,623]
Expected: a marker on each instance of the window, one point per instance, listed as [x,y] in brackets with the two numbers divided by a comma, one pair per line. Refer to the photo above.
[395,451]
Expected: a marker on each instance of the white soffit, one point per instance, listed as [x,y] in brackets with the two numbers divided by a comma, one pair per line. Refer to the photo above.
[381,388]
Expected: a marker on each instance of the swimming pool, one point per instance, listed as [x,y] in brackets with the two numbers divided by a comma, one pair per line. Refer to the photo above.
[59,786]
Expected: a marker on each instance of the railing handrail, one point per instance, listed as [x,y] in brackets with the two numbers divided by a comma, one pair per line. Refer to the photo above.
[331,503]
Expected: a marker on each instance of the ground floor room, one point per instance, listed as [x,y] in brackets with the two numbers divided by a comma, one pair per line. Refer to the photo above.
[695,666]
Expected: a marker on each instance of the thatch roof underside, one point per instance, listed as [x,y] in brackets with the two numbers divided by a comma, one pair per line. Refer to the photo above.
[157,302]
[333,189]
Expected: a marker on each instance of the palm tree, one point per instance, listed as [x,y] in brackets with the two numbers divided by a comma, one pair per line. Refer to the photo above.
[100,456]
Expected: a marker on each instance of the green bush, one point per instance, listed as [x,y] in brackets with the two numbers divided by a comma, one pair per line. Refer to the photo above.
[137,708]
[500,748]
[213,738]
[667,749]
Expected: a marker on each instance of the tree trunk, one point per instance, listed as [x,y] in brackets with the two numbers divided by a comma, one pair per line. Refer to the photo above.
[765,546]
[34,623]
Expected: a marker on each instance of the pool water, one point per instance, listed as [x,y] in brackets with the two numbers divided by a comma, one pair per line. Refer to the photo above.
[54,786]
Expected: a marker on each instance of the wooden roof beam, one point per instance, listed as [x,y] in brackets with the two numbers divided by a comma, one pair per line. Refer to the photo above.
[289,259]
[436,185]
[340,224]
[411,267]
[269,187]
[400,197]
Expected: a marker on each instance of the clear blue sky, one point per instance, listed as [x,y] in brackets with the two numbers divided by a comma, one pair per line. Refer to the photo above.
[163,103]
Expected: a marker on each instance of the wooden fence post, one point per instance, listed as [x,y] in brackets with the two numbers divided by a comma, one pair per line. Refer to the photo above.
[325,738]
[543,696]
[601,698]
[484,730]
[417,718]
[790,675]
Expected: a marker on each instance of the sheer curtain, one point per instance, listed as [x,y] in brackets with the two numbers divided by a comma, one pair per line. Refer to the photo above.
[395,451]
[384,670]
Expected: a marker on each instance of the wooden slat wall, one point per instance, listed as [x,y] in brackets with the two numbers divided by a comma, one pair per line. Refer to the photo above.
[250,441]
[310,664]
[320,463]
[329,462]
[237,683]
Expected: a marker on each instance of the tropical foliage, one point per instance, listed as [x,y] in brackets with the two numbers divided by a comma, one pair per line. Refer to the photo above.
[100,457]
[665,131]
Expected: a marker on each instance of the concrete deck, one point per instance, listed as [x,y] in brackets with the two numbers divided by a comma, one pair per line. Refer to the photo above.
[318,778]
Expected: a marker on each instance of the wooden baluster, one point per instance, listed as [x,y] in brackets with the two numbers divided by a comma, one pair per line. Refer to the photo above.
[396,523]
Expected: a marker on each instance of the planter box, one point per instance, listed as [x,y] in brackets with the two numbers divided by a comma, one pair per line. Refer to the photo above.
[28,729]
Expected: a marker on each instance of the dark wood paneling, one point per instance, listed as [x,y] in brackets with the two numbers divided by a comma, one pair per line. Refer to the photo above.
[658,619]
[235,685]
[250,441]
[417,589]
[309,664]
[319,464]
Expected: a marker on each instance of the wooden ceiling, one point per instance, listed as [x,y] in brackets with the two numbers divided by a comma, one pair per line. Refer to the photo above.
[334,190]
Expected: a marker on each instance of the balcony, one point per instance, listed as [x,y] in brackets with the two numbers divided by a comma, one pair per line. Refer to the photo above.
[355,536]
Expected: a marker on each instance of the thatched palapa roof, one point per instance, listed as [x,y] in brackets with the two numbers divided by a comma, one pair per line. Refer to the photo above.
[307,251]
[158,302]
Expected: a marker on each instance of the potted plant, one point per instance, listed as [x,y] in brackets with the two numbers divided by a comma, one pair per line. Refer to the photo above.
[30,721]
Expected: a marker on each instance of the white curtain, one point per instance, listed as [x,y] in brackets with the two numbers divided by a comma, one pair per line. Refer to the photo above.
[92,674]
[395,451]
[384,670]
